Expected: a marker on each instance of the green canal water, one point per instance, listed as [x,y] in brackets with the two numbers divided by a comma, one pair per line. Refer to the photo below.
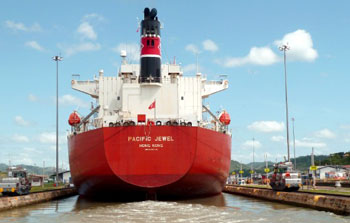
[221,208]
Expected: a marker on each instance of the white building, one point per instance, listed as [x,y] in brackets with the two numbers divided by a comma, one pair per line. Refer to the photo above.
[334,172]
[64,177]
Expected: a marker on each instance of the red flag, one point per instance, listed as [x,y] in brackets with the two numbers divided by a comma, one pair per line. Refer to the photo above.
[153,105]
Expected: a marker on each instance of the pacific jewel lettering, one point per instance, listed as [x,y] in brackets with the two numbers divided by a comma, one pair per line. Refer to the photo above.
[149,138]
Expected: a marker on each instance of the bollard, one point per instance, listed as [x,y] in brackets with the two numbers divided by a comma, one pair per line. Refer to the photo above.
[337,184]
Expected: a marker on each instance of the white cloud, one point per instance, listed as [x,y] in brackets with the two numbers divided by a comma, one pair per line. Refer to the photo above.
[299,42]
[69,100]
[30,149]
[93,16]
[53,147]
[277,138]
[189,68]
[24,160]
[50,138]
[309,144]
[87,31]
[266,126]
[20,121]
[325,133]
[345,126]
[132,50]
[250,143]
[32,98]
[18,26]
[35,45]
[192,48]
[82,47]
[257,56]
[210,45]
[19,138]
[301,46]
[47,137]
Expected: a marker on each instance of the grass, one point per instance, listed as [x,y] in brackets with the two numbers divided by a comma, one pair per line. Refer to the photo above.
[327,192]
[330,191]
[47,186]
[3,174]
[254,185]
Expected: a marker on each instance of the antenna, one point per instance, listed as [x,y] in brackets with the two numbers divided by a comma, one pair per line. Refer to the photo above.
[75,76]
[138,24]
[197,68]
[284,48]
[295,160]
[222,76]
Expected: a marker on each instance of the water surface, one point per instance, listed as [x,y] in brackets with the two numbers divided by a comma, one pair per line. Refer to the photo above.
[221,208]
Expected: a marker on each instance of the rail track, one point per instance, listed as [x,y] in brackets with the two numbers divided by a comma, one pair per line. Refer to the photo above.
[299,191]
[36,192]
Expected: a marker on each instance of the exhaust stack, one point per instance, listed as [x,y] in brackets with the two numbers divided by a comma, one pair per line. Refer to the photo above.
[150,48]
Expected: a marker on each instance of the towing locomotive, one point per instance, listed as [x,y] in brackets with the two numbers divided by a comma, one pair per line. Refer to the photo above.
[285,177]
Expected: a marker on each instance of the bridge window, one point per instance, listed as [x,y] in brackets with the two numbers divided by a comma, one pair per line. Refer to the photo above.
[152,42]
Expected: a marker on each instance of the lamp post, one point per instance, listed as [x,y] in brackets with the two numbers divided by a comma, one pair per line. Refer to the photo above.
[266,166]
[284,48]
[295,161]
[57,59]
[252,168]
[43,175]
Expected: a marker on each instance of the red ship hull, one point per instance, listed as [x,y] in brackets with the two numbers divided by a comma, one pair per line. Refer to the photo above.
[169,161]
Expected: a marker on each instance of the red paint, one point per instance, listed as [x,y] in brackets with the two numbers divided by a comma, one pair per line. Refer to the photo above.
[184,161]
[74,119]
[150,122]
[147,48]
[225,118]
[141,118]
[153,105]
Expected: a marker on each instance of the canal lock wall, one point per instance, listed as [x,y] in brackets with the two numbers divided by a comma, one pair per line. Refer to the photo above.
[9,202]
[336,204]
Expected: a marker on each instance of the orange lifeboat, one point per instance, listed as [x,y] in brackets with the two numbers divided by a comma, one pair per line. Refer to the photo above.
[225,118]
[74,119]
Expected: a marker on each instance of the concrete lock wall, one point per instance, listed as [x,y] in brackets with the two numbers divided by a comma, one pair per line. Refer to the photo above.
[18,201]
[336,204]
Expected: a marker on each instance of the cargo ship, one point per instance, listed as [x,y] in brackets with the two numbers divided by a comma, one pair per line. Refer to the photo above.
[148,133]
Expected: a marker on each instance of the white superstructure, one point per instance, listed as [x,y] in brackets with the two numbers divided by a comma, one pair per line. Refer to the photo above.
[178,98]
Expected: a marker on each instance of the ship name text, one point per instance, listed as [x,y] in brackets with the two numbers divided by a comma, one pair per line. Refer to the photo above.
[149,139]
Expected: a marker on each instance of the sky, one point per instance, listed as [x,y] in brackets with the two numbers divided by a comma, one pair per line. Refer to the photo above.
[240,39]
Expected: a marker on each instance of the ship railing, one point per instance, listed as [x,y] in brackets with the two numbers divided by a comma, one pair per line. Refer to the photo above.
[150,79]
[213,126]
[97,123]
[157,121]
[213,82]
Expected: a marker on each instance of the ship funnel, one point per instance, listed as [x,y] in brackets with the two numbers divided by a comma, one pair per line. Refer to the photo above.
[150,62]
[153,13]
[146,13]
[123,56]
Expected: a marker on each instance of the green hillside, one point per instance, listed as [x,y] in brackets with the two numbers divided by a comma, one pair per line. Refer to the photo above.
[31,169]
[303,163]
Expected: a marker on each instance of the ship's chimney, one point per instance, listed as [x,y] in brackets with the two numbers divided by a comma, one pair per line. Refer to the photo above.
[100,73]
[150,47]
